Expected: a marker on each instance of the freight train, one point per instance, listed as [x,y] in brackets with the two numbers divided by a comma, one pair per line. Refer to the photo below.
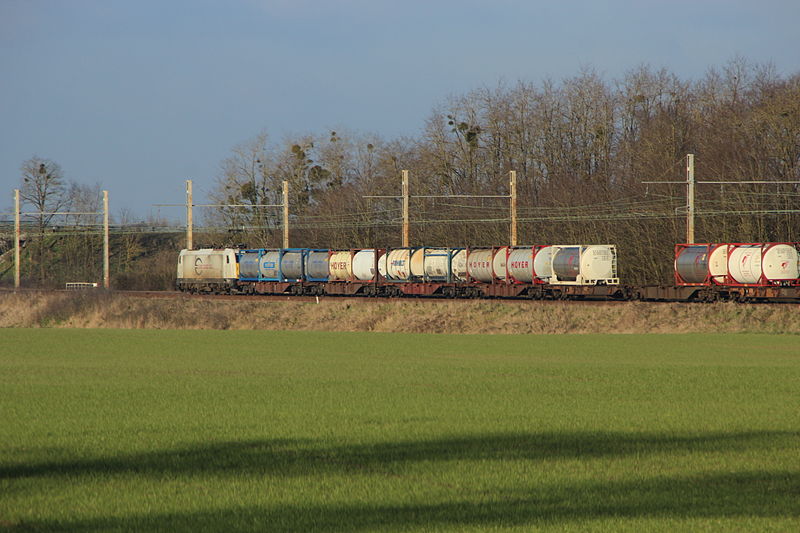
[767,272]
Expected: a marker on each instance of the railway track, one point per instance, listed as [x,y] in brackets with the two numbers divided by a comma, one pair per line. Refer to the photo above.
[308,299]
[344,298]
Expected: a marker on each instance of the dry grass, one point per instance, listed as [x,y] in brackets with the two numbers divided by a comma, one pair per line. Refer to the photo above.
[116,310]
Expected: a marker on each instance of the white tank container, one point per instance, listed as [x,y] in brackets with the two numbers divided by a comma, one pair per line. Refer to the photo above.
[382,264]
[499,261]
[780,262]
[340,266]
[434,263]
[744,263]
[364,265]
[417,264]
[292,265]
[718,263]
[458,265]
[598,262]
[542,263]
[584,264]
[479,265]
[398,264]
[520,264]
[317,265]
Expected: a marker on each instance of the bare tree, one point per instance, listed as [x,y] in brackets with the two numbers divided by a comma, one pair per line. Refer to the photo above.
[43,188]
[247,179]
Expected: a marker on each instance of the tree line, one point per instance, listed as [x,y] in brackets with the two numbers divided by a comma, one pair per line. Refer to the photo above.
[582,148]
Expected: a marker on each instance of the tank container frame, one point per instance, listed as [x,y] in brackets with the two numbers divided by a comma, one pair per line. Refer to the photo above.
[411,278]
[679,281]
[449,253]
[353,251]
[762,279]
[495,280]
[281,252]
[580,279]
[535,249]
[309,251]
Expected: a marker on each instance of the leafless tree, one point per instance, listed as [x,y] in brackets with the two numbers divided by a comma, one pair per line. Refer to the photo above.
[43,188]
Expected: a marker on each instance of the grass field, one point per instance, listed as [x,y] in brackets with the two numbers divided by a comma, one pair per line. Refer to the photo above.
[104,430]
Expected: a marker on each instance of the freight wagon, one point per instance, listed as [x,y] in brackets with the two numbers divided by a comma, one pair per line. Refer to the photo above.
[702,272]
[536,272]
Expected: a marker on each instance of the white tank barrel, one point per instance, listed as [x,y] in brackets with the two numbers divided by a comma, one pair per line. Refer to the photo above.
[417,264]
[340,266]
[398,264]
[479,265]
[458,265]
[780,262]
[364,265]
[744,263]
[434,263]
[437,263]
[599,262]
[382,265]
[542,263]
[718,263]
[520,264]
[499,263]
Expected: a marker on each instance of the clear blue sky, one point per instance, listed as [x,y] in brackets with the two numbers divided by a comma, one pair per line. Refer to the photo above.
[140,94]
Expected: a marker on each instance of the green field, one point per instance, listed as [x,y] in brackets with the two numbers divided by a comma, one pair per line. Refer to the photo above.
[104,430]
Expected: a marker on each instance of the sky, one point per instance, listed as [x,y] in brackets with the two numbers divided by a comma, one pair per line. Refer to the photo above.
[141,95]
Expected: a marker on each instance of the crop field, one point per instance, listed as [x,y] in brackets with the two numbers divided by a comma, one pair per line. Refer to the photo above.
[134,430]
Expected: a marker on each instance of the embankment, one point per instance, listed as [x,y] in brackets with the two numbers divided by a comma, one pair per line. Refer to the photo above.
[121,310]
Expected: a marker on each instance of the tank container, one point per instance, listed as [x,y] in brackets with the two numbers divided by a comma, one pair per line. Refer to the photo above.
[520,264]
[382,264]
[691,263]
[270,264]
[263,264]
[567,263]
[248,265]
[434,263]
[458,265]
[718,263]
[543,263]
[499,261]
[364,265]
[317,265]
[292,264]
[780,262]
[585,264]
[750,264]
[479,265]
[340,266]
[398,264]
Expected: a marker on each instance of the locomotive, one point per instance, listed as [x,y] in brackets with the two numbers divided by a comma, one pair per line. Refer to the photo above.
[767,272]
